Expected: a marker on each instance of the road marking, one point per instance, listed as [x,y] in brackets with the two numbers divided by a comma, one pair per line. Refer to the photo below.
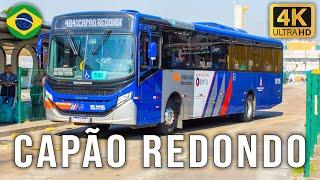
[13,136]
[50,129]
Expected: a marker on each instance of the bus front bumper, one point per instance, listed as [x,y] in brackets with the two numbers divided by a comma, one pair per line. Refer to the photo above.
[123,115]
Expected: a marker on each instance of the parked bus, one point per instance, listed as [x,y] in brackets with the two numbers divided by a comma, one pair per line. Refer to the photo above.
[140,70]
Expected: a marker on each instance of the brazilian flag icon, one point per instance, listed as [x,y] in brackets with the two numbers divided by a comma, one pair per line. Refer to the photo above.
[24,21]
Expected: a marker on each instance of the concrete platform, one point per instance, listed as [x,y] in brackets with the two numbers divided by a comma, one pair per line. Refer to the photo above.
[9,129]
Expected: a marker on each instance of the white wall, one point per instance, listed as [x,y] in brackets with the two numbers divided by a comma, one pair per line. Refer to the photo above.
[25,61]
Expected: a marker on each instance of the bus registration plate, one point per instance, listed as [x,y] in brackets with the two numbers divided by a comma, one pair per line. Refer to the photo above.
[77,119]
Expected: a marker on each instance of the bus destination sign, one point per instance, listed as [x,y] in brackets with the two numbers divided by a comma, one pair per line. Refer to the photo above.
[94,22]
[89,22]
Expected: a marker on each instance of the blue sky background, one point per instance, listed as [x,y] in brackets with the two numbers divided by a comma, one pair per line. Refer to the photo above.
[186,10]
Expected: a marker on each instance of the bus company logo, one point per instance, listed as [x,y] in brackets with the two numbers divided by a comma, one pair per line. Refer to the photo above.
[24,21]
[292,20]
[187,79]
[197,82]
[201,79]
[76,107]
[176,77]
[201,82]
[260,88]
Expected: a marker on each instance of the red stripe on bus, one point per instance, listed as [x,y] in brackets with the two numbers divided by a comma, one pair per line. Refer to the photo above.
[227,97]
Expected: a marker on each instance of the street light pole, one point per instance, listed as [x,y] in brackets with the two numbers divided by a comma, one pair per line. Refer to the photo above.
[318,60]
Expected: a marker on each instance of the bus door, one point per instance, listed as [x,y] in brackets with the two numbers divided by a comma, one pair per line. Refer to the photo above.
[262,81]
[150,79]
[262,89]
[276,81]
[275,89]
[42,45]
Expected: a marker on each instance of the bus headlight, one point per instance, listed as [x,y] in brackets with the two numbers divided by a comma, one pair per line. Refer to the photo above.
[122,99]
[48,95]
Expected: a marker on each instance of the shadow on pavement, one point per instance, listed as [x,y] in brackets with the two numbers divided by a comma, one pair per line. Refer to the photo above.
[190,125]
[6,124]
[260,115]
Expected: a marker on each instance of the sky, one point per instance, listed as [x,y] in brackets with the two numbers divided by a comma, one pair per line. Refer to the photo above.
[219,11]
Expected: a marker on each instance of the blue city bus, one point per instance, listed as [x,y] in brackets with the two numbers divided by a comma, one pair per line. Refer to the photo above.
[129,68]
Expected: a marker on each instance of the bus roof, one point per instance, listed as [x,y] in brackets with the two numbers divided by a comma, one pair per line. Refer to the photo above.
[209,27]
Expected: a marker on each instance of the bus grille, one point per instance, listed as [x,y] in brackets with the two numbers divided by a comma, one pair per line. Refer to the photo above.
[81,91]
[84,114]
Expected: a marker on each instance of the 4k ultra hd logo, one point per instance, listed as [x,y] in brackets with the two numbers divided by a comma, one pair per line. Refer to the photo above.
[292,20]
[24,21]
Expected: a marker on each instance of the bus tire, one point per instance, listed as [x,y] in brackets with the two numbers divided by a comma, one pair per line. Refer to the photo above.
[249,110]
[171,116]
[103,127]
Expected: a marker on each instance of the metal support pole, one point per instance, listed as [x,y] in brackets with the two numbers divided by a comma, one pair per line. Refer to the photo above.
[19,96]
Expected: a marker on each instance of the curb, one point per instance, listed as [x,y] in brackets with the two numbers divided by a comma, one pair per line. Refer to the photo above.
[32,128]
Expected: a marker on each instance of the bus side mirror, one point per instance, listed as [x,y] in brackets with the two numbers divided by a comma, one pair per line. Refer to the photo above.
[152,51]
[39,47]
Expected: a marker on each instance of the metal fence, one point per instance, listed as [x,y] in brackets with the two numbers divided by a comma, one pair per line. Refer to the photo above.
[312,116]
[28,103]
[30,93]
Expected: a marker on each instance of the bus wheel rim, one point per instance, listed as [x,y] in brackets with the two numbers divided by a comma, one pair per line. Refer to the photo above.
[169,117]
[249,112]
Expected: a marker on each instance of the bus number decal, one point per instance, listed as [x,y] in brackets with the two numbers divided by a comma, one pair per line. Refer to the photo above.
[98,75]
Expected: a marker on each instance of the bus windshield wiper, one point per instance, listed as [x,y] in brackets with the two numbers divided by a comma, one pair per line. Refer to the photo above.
[103,39]
[72,42]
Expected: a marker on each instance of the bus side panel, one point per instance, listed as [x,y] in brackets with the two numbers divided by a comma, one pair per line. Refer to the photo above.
[279,87]
[262,84]
[221,100]
[216,95]
[149,93]
[204,92]
[234,101]
[272,89]
[243,82]
[267,89]
[222,103]
[181,82]
[275,89]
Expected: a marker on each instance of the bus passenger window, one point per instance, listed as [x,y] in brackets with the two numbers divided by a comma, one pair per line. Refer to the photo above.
[250,65]
[207,62]
[256,57]
[267,59]
[143,53]
[254,60]
[278,60]
[208,65]
[147,66]
[219,57]
[243,61]
[145,62]
[181,59]
[202,64]
[236,64]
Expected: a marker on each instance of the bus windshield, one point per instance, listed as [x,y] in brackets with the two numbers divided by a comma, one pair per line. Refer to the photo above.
[91,57]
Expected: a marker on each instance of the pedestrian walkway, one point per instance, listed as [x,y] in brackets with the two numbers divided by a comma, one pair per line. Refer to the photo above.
[9,129]
[315,163]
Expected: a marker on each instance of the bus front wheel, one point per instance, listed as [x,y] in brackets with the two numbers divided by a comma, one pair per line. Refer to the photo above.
[249,110]
[171,116]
